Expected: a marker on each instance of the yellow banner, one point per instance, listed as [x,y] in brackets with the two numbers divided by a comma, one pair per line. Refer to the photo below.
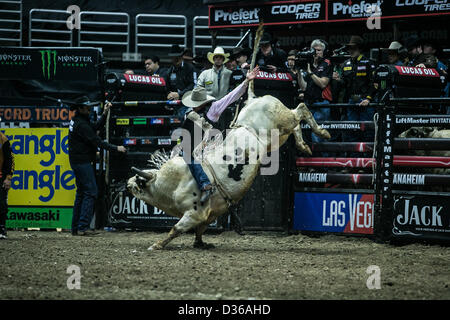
[42,176]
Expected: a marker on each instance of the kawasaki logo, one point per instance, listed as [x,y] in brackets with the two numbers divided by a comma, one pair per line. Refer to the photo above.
[48,63]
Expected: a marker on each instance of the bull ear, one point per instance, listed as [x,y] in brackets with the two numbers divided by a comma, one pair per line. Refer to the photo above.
[146,175]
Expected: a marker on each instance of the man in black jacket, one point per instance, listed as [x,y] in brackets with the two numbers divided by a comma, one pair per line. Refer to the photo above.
[270,57]
[83,145]
[180,76]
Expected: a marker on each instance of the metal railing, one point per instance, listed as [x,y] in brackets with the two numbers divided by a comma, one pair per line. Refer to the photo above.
[113,28]
[11,23]
[148,31]
[49,27]
[226,38]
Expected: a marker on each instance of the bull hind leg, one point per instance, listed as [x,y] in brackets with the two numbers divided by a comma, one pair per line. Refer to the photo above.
[198,243]
[299,142]
[304,114]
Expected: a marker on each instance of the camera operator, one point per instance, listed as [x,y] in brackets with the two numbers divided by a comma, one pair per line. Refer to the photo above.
[316,83]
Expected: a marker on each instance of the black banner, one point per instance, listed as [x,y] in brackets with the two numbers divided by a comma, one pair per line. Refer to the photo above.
[342,10]
[307,11]
[283,12]
[48,64]
[128,210]
[421,217]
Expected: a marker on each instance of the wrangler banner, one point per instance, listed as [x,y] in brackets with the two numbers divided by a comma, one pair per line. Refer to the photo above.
[42,176]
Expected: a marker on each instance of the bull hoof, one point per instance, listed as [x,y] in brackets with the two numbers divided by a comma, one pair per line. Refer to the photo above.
[203,245]
[325,134]
[155,247]
[303,147]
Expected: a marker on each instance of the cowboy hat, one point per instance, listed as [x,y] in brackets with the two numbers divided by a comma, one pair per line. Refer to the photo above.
[218,52]
[355,41]
[239,51]
[175,51]
[82,102]
[394,46]
[412,42]
[187,54]
[196,97]
[266,38]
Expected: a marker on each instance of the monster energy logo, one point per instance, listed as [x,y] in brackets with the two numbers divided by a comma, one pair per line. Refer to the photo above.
[48,63]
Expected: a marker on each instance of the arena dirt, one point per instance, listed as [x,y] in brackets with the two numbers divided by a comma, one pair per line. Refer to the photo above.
[117,265]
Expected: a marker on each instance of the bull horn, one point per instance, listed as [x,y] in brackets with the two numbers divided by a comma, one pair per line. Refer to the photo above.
[146,175]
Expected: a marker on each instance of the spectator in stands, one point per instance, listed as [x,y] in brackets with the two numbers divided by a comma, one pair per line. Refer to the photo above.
[432,48]
[394,54]
[201,63]
[414,47]
[6,173]
[153,68]
[240,55]
[216,80]
[83,145]
[291,59]
[316,84]
[269,57]
[188,58]
[180,75]
[357,77]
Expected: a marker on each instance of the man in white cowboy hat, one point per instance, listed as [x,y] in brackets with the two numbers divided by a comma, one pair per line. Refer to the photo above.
[216,80]
[199,118]
[394,53]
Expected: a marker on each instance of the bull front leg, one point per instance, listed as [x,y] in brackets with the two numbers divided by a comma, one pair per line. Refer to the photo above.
[190,220]
[174,232]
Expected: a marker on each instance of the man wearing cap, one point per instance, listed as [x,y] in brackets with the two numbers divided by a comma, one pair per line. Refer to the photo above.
[83,145]
[394,53]
[415,50]
[200,118]
[270,57]
[6,173]
[357,77]
[180,76]
[216,80]
[240,55]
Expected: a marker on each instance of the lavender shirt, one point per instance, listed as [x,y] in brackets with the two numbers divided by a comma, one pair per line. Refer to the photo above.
[217,107]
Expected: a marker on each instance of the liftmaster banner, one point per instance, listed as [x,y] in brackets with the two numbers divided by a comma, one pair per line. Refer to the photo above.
[43,182]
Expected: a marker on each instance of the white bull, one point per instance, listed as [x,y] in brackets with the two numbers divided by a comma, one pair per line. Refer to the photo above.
[172,187]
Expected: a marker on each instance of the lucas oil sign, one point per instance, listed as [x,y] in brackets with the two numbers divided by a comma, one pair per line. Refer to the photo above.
[42,176]
[334,212]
